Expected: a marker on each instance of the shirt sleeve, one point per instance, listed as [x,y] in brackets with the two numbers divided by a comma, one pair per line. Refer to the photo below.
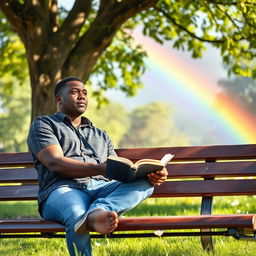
[41,134]
[111,150]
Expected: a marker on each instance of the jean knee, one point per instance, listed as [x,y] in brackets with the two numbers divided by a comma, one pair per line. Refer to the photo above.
[144,186]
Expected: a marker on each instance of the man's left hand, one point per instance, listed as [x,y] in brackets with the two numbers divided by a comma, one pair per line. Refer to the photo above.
[158,177]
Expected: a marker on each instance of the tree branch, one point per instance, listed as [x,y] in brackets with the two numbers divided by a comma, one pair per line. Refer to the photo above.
[228,16]
[186,30]
[54,15]
[248,22]
[212,15]
[31,21]
[104,4]
[100,34]
[75,19]
[230,3]
[63,39]
[238,28]
[12,11]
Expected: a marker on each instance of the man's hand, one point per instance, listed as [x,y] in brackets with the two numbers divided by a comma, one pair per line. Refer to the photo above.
[158,177]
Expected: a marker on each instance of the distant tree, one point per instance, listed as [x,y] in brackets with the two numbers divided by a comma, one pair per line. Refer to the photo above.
[94,37]
[15,111]
[152,125]
[112,117]
[242,89]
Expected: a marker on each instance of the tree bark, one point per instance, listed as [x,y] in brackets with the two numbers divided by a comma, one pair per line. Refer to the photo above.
[53,51]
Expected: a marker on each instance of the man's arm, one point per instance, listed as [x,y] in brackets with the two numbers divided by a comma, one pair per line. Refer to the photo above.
[52,157]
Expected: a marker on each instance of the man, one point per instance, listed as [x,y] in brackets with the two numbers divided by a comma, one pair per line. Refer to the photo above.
[70,155]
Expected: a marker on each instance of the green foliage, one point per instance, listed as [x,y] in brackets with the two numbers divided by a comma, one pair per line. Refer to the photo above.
[229,26]
[145,126]
[121,66]
[12,54]
[152,125]
[112,117]
[15,112]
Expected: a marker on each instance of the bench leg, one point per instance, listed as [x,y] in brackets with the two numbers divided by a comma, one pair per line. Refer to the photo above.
[240,236]
[206,208]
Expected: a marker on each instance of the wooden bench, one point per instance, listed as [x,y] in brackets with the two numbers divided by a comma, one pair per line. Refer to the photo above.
[199,171]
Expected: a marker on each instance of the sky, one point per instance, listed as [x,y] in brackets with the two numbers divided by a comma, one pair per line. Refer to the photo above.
[190,87]
[208,68]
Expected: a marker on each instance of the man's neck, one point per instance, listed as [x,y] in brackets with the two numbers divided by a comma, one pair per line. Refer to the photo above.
[76,121]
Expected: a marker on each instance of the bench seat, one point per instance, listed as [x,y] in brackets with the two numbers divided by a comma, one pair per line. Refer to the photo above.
[196,171]
[243,221]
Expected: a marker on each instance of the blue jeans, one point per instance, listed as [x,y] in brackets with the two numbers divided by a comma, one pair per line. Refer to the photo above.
[68,205]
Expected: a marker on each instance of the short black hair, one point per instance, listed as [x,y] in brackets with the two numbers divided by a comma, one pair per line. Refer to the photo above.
[62,82]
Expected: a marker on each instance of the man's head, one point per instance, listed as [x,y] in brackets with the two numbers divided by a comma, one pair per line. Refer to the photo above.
[61,84]
[71,96]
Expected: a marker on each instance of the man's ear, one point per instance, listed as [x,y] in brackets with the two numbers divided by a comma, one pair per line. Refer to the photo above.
[58,99]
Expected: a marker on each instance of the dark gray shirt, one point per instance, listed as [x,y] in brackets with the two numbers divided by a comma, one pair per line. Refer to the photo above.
[86,144]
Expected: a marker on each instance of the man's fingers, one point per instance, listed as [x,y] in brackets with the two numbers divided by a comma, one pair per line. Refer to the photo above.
[156,181]
[158,177]
[162,172]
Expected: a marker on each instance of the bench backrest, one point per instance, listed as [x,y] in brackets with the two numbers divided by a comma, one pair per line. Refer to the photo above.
[194,171]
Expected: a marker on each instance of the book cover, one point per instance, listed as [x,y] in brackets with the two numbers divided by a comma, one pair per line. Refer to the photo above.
[123,169]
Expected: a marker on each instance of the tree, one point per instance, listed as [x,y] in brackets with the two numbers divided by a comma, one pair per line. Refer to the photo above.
[152,126]
[14,115]
[94,38]
[113,117]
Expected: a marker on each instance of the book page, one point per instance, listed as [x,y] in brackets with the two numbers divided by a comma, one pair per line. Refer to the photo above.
[148,161]
[166,159]
[121,159]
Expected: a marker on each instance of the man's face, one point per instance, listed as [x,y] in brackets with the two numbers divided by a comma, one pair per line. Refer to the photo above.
[73,99]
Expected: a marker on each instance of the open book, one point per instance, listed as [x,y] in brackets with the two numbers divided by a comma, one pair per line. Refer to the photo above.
[123,169]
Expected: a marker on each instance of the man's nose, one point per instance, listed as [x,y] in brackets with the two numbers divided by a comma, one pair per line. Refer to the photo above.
[81,95]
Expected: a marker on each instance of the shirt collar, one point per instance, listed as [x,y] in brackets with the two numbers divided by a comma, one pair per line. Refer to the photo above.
[85,122]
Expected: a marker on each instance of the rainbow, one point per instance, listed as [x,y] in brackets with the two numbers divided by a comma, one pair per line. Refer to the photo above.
[193,92]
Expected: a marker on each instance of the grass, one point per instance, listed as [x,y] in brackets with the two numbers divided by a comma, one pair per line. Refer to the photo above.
[175,246]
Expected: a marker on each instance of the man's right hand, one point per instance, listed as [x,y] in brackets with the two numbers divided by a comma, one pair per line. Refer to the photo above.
[158,177]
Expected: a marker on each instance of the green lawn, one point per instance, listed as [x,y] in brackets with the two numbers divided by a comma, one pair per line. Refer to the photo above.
[174,246]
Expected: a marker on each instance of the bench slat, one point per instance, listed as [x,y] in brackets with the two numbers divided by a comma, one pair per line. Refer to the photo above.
[16,159]
[140,223]
[205,188]
[18,193]
[181,154]
[193,152]
[183,170]
[29,225]
[19,175]
[187,222]
[167,189]
[212,169]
